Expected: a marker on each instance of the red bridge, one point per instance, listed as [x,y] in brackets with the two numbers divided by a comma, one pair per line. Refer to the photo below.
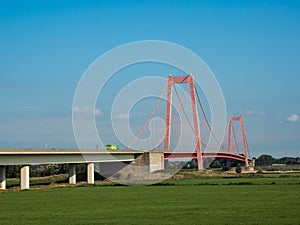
[229,150]
[188,155]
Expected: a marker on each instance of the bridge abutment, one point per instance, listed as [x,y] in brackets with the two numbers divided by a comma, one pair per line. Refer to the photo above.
[251,165]
[72,173]
[90,173]
[24,175]
[156,161]
[2,177]
[152,160]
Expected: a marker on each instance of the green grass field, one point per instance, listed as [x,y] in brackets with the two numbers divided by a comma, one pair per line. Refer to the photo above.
[263,200]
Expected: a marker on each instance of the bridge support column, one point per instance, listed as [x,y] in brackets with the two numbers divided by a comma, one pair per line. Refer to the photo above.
[166,163]
[90,173]
[24,175]
[251,165]
[72,173]
[156,161]
[2,177]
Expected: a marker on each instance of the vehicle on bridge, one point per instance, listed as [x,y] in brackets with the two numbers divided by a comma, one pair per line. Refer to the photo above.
[112,147]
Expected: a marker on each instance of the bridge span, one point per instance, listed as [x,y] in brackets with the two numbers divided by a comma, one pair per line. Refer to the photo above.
[223,155]
[61,156]
[26,157]
[154,160]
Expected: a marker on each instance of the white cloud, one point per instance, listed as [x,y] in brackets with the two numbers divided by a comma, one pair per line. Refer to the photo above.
[87,111]
[292,118]
[250,112]
[97,112]
[253,112]
[121,116]
[76,109]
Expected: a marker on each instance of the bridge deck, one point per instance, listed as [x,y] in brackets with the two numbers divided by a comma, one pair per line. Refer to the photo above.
[11,156]
[225,155]
[62,151]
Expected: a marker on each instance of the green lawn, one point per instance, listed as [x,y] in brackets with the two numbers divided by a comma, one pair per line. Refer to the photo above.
[190,201]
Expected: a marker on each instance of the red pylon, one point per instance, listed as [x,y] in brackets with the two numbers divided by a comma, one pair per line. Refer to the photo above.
[183,79]
[241,120]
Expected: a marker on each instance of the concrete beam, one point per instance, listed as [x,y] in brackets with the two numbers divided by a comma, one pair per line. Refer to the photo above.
[90,173]
[49,156]
[2,177]
[24,175]
[72,174]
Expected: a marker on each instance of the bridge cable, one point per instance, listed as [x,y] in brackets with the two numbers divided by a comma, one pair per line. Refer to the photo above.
[189,122]
[235,140]
[149,117]
[172,120]
[206,120]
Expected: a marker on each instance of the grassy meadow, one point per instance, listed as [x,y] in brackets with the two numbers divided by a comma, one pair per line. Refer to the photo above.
[268,199]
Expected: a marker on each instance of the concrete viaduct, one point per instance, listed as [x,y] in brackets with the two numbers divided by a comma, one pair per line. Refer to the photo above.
[27,157]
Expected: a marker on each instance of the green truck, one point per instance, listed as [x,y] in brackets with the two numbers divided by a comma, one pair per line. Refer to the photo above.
[112,147]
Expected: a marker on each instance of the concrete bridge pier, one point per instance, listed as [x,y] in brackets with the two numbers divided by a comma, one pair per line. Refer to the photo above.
[156,161]
[166,162]
[251,165]
[2,177]
[72,173]
[90,173]
[24,175]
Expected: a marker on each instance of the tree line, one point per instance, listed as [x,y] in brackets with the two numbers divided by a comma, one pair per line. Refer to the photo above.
[267,160]
[227,164]
[43,170]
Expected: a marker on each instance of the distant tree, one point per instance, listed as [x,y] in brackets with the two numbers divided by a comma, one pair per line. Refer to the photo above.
[194,164]
[13,171]
[191,164]
[215,164]
[265,160]
[227,165]
[238,168]
[81,168]
[288,160]
[63,168]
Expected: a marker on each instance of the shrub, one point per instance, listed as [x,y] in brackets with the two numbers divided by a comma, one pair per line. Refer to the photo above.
[238,168]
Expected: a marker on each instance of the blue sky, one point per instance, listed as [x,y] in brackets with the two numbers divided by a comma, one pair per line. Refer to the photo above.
[251,46]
